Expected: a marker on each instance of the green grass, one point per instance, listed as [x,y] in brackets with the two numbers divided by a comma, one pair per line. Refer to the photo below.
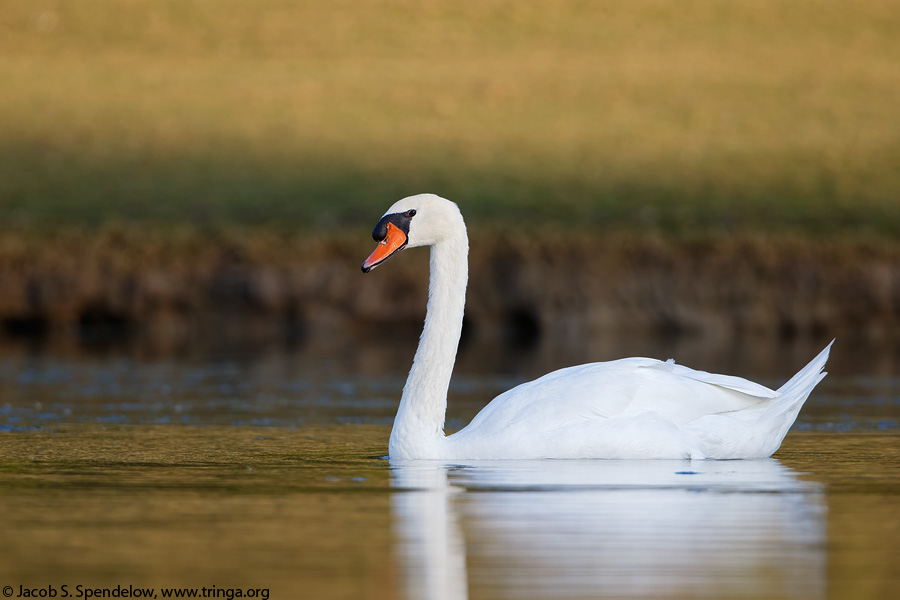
[673,116]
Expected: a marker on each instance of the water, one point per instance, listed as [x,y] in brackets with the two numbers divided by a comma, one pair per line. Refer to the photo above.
[262,469]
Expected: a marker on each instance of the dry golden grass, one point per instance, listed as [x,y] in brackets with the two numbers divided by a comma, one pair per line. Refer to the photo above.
[684,117]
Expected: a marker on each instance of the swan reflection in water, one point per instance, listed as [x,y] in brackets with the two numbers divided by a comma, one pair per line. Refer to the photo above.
[600,528]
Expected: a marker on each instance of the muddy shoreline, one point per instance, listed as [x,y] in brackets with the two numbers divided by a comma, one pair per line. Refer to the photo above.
[522,288]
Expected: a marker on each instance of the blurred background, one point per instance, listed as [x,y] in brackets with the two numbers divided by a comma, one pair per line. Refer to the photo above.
[176,174]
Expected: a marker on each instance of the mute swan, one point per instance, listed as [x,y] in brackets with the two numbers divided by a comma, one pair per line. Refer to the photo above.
[637,408]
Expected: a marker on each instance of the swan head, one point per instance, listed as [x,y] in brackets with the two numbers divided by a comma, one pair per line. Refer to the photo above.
[422,220]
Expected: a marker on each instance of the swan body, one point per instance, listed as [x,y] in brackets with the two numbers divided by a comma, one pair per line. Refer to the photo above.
[636,408]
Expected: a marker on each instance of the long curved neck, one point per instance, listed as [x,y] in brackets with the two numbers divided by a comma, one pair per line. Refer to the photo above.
[420,418]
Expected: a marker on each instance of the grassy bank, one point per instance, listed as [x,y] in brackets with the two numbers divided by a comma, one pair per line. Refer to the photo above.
[700,117]
[563,288]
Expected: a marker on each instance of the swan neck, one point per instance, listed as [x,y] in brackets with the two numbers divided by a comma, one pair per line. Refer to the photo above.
[420,419]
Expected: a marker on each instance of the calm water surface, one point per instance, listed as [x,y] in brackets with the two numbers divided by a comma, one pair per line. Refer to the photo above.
[264,471]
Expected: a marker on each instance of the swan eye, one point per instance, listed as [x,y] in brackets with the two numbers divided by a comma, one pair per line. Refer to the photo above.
[411,213]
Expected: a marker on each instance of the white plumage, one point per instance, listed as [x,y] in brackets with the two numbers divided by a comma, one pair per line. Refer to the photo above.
[629,408]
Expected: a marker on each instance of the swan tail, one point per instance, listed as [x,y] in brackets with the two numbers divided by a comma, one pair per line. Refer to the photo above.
[801,384]
[794,393]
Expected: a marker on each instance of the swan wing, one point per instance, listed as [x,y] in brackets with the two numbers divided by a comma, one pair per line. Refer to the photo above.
[637,408]
[737,384]
[623,388]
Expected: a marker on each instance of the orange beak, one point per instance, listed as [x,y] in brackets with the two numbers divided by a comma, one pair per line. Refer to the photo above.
[394,241]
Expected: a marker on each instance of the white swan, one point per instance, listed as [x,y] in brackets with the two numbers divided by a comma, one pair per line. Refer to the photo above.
[630,408]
